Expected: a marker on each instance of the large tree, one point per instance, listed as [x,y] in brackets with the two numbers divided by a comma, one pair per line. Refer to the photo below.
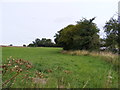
[112,34]
[82,36]
[64,37]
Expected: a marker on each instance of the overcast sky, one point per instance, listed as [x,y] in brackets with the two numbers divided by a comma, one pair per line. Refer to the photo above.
[22,21]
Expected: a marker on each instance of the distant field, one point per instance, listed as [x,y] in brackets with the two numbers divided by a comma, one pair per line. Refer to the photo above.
[63,70]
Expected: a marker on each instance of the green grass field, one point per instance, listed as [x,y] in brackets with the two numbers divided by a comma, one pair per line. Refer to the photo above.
[66,71]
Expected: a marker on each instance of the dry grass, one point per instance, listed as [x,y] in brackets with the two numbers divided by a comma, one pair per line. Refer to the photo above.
[77,52]
[107,56]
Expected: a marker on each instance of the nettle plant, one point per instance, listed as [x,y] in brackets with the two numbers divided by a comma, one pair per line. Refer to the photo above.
[18,69]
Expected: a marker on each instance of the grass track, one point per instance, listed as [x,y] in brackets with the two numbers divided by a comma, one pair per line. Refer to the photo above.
[83,70]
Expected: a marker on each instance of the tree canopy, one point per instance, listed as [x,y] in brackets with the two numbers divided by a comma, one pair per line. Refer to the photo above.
[82,36]
[112,30]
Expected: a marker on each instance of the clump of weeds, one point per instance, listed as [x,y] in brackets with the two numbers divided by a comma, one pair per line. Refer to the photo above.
[18,71]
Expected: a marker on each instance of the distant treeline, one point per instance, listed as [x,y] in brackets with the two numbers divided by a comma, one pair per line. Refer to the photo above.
[42,43]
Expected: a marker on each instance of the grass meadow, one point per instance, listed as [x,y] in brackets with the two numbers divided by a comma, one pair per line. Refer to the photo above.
[53,69]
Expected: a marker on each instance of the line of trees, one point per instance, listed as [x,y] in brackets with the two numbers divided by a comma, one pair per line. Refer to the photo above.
[42,43]
[84,35]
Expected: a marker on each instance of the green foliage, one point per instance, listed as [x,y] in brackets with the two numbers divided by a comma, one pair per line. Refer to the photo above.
[81,36]
[42,43]
[102,42]
[112,34]
[65,37]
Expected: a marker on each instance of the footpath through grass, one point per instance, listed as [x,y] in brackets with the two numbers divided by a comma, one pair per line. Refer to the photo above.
[62,70]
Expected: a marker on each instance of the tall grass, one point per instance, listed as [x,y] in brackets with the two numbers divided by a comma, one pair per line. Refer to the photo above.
[107,56]
[113,59]
[52,69]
